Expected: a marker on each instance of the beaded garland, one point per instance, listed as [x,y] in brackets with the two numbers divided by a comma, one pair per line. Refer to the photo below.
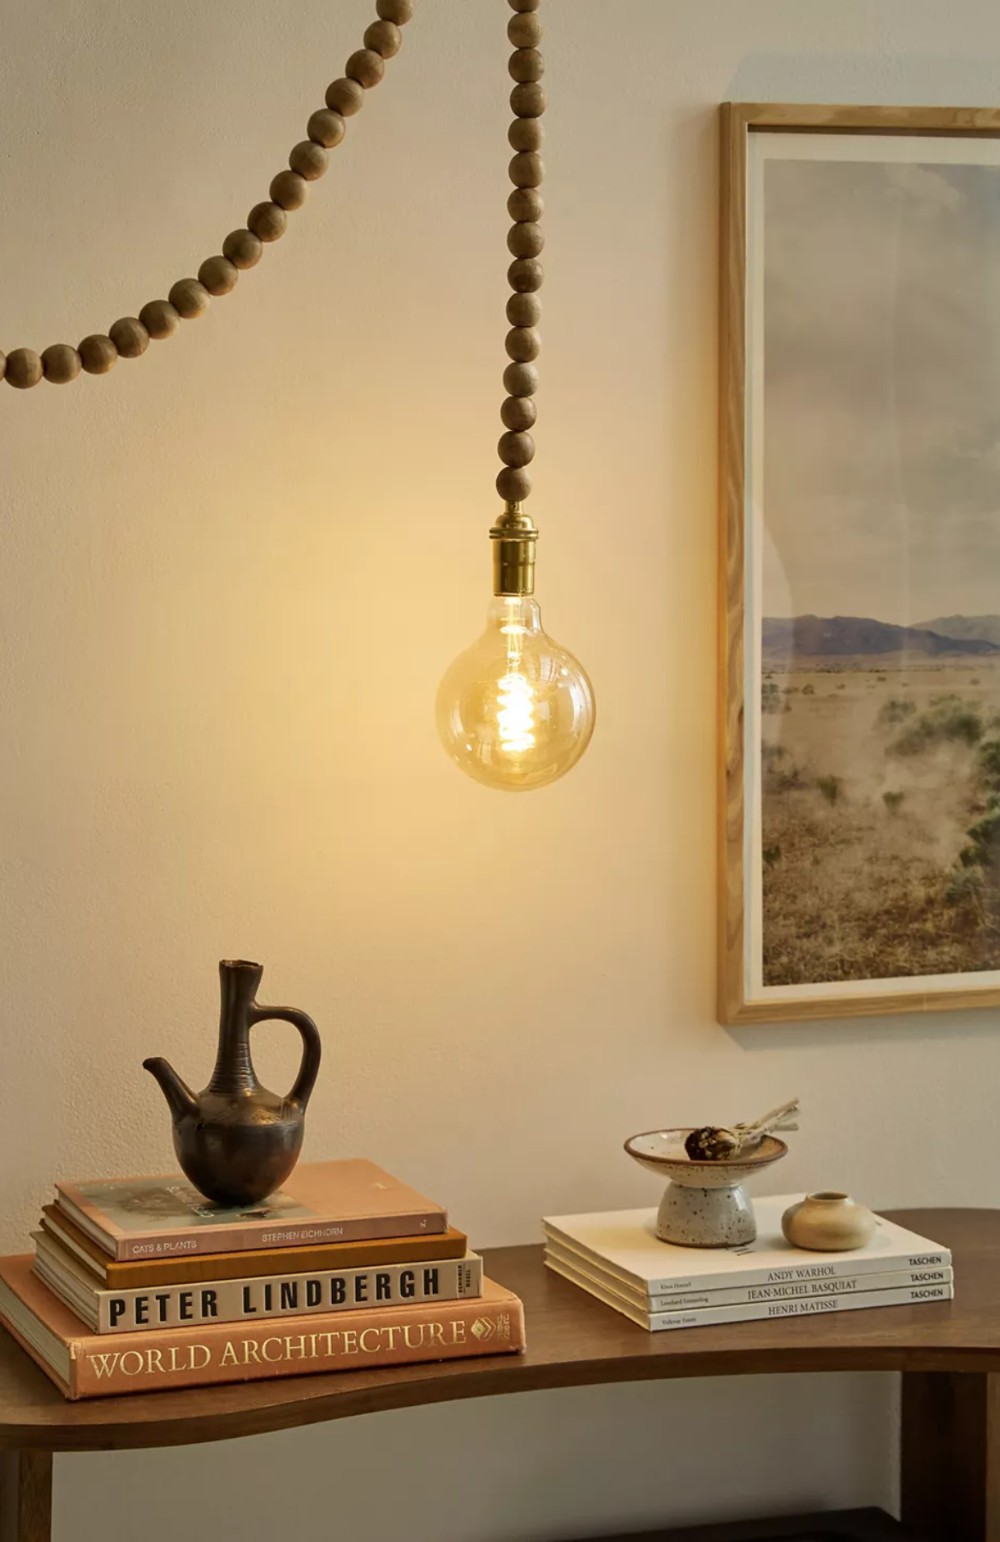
[189,298]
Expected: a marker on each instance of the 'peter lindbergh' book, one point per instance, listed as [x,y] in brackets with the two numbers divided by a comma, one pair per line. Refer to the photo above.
[83,1364]
[322,1202]
[285,1294]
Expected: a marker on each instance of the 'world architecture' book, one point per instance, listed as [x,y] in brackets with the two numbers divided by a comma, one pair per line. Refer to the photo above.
[83,1364]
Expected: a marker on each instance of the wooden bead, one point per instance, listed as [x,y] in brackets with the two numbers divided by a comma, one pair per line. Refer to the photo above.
[129,337]
[518,413]
[218,275]
[24,368]
[289,190]
[523,5]
[326,127]
[525,203]
[398,11]
[516,449]
[525,275]
[267,221]
[98,354]
[520,380]
[524,31]
[189,298]
[523,344]
[344,96]
[308,159]
[525,64]
[366,67]
[513,484]
[527,100]
[526,134]
[3,365]
[384,38]
[526,169]
[60,363]
[159,318]
[524,310]
[525,240]
[242,248]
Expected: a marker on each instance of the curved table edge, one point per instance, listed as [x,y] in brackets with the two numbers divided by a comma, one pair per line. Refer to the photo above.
[494,1380]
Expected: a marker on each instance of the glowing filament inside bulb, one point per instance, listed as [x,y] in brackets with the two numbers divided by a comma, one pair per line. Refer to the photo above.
[515,704]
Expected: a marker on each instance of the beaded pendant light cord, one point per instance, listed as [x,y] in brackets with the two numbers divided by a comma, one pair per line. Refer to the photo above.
[514,533]
[189,298]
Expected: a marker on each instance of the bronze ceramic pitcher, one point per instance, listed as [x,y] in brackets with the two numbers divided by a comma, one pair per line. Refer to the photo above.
[236,1141]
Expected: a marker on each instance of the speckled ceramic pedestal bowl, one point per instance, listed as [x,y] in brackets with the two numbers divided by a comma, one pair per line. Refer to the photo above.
[705,1204]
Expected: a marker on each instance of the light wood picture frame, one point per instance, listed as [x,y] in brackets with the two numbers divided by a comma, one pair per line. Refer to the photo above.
[859,553]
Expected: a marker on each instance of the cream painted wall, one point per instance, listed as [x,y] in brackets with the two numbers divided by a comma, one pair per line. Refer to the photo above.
[232,574]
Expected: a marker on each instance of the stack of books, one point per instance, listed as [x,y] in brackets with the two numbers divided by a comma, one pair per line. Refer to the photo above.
[617,1257]
[139,1284]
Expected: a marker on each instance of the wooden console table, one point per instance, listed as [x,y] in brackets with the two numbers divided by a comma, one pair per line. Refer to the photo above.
[947,1352]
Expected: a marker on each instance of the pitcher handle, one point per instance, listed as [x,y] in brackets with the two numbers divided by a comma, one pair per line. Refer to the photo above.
[312,1047]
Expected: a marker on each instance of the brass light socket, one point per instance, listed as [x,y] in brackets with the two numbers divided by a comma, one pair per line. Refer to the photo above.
[514,536]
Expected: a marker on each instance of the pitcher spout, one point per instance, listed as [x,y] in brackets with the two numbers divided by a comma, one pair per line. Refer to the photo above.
[177,1092]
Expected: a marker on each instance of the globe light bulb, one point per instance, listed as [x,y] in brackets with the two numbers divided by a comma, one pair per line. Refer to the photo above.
[515,711]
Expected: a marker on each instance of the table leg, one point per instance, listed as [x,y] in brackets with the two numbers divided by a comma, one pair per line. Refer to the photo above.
[26,1496]
[950,1455]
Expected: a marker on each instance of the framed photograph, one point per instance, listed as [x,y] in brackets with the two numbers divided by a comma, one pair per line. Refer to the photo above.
[859,693]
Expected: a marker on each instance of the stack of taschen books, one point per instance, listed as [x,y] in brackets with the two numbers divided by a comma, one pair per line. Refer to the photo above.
[141,1284]
[617,1257]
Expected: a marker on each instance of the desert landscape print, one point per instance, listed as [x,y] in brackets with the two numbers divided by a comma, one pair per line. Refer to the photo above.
[878,630]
